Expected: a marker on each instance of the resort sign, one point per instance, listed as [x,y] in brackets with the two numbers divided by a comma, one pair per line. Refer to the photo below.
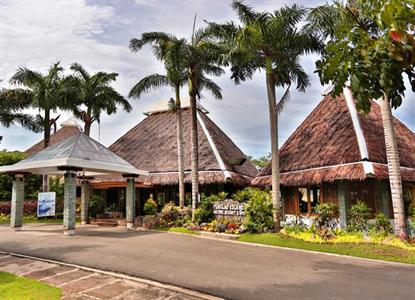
[228,208]
[46,204]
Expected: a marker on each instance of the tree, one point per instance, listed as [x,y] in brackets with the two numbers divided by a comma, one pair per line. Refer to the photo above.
[171,52]
[45,92]
[371,46]
[260,162]
[93,95]
[273,43]
[200,59]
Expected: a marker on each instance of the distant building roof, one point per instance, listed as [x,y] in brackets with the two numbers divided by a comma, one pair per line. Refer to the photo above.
[164,105]
[69,128]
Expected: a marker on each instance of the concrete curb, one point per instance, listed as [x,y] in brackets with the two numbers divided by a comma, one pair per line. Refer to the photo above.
[121,276]
[369,260]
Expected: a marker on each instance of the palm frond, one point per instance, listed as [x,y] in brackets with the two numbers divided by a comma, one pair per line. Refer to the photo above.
[147,83]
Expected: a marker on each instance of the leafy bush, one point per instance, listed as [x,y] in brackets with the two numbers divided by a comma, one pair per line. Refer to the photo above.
[169,214]
[150,221]
[204,213]
[259,212]
[244,195]
[326,220]
[29,207]
[359,214]
[150,207]
[382,223]
[96,206]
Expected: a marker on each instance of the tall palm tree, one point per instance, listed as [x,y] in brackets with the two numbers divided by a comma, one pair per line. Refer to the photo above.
[273,43]
[200,59]
[45,92]
[93,95]
[171,52]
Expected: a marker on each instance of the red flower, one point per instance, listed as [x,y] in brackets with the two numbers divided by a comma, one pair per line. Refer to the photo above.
[396,36]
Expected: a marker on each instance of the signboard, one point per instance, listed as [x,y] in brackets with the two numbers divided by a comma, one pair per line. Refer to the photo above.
[46,204]
[228,208]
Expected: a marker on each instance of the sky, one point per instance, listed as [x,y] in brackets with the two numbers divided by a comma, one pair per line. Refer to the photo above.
[96,34]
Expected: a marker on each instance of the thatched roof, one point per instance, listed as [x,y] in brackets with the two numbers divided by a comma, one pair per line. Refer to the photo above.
[336,143]
[151,145]
[69,128]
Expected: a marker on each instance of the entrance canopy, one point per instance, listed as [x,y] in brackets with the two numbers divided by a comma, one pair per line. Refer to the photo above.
[79,153]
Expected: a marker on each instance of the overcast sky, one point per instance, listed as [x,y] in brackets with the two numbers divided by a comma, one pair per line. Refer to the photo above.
[96,34]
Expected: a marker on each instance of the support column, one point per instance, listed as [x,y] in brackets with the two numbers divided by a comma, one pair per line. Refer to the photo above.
[130,202]
[341,196]
[85,196]
[16,218]
[69,203]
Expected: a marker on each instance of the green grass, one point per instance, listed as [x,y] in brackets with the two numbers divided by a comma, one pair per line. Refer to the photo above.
[14,287]
[32,220]
[177,229]
[374,251]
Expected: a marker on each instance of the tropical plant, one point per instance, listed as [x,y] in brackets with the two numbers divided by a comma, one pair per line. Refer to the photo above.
[259,212]
[169,214]
[359,214]
[245,195]
[150,207]
[93,95]
[96,205]
[326,219]
[382,224]
[45,92]
[171,52]
[204,213]
[270,42]
[200,59]
[371,44]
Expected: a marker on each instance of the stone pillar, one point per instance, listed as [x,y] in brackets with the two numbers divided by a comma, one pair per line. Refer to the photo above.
[342,198]
[85,196]
[16,218]
[69,203]
[130,202]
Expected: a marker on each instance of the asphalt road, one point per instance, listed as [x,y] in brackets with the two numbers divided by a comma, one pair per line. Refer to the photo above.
[224,269]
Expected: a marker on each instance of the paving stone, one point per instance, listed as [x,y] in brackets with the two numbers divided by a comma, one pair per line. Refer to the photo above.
[13,260]
[67,277]
[77,297]
[48,272]
[149,293]
[20,269]
[182,297]
[87,283]
[110,291]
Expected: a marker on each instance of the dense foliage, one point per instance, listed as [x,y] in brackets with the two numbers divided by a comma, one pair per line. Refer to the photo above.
[359,214]
[150,207]
[96,205]
[259,212]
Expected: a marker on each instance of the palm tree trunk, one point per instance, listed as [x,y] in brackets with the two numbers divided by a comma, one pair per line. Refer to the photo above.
[395,180]
[180,155]
[195,155]
[273,119]
[87,127]
[46,141]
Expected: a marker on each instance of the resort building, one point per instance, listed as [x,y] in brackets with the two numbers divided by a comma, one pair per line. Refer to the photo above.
[152,146]
[338,155]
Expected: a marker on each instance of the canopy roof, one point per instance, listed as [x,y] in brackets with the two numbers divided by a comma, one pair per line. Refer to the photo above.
[335,142]
[78,152]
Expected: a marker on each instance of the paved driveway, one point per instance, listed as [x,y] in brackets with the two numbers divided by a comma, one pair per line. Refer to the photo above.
[224,269]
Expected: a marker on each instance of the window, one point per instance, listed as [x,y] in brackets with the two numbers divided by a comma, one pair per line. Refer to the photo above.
[308,199]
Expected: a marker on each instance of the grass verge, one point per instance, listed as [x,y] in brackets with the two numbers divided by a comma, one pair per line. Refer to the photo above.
[14,287]
[34,220]
[177,229]
[366,250]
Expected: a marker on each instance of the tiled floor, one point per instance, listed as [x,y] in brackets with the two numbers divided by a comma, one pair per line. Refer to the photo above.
[79,284]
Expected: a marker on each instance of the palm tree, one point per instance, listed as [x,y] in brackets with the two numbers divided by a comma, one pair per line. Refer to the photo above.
[45,92]
[94,93]
[172,54]
[270,42]
[200,59]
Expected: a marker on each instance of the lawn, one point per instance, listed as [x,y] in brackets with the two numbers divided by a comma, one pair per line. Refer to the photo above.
[31,220]
[177,229]
[367,250]
[14,287]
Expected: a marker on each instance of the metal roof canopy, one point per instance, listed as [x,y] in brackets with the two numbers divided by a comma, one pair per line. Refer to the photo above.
[78,153]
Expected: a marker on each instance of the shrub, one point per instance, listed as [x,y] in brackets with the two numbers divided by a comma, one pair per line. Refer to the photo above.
[96,206]
[150,207]
[150,221]
[204,213]
[359,214]
[169,214]
[244,195]
[382,223]
[259,211]
[29,207]
[326,220]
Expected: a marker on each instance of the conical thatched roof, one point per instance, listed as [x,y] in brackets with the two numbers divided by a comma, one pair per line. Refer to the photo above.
[69,128]
[335,142]
[152,146]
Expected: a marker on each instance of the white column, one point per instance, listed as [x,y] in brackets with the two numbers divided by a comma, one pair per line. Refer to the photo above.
[341,196]
[16,218]
[130,202]
[69,203]
[85,196]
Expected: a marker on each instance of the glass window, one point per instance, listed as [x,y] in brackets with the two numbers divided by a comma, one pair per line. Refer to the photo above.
[302,200]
